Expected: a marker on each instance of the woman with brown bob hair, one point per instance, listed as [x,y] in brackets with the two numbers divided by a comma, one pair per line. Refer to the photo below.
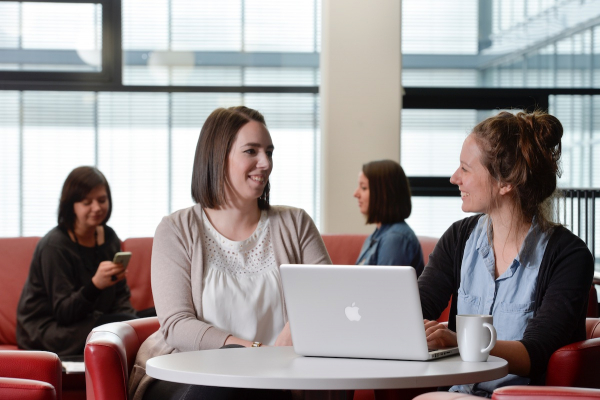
[383,195]
[510,260]
[73,285]
[215,266]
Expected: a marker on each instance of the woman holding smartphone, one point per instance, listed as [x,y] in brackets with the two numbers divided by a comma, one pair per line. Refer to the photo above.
[72,284]
[510,260]
[215,266]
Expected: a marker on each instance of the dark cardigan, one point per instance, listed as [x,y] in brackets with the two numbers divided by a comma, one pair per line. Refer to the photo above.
[561,297]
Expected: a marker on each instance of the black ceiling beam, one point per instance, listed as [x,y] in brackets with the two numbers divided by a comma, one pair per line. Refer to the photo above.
[474,98]
[436,186]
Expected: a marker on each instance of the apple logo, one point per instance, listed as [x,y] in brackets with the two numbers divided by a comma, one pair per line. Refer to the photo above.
[352,313]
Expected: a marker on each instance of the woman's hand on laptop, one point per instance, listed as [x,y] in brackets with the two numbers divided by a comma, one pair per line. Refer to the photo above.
[438,335]
[285,337]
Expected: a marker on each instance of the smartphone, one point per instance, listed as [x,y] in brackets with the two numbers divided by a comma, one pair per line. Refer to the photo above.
[122,257]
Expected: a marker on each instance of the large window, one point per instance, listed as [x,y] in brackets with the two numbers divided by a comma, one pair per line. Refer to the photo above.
[51,37]
[178,61]
[464,61]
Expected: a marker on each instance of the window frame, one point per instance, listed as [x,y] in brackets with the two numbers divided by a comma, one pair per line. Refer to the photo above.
[111,72]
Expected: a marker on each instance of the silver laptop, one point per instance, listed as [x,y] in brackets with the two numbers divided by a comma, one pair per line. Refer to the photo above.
[356,311]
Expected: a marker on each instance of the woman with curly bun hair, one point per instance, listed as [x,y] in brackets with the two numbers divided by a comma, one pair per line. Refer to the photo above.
[510,260]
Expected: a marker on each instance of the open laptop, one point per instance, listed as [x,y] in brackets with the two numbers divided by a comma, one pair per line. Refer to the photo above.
[356,311]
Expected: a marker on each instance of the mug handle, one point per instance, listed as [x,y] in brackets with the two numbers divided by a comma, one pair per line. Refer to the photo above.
[493,341]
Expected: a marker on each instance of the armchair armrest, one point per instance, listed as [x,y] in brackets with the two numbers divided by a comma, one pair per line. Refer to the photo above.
[110,352]
[545,392]
[26,389]
[575,365]
[31,365]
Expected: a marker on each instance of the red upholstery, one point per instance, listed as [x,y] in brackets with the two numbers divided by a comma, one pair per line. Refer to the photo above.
[544,392]
[14,265]
[522,393]
[576,365]
[427,245]
[30,375]
[26,389]
[109,356]
[138,271]
[344,249]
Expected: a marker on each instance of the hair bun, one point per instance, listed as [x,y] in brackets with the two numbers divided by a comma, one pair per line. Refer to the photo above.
[547,129]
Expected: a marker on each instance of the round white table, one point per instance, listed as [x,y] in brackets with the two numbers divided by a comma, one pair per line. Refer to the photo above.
[281,368]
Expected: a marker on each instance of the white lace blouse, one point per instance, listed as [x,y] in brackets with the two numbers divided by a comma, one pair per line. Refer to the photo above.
[242,291]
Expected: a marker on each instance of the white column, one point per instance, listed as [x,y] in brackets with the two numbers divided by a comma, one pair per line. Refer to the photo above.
[361,101]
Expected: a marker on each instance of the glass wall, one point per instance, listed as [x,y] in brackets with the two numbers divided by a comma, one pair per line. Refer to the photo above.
[38,36]
[545,48]
[221,43]
[259,51]
[501,43]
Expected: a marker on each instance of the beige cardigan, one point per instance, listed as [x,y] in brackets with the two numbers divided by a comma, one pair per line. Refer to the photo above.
[177,275]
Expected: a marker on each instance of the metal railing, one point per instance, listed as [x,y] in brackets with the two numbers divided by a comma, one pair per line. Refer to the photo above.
[576,209]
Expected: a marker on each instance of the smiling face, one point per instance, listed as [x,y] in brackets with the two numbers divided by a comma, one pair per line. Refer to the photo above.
[92,210]
[362,193]
[250,162]
[473,179]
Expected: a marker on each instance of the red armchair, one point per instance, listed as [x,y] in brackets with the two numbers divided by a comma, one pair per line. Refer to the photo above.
[522,393]
[576,365]
[30,375]
[545,392]
[110,352]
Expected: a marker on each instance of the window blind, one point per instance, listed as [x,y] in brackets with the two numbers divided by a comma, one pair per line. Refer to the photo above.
[439,27]
[58,135]
[145,142]
[226,43]
[36,36]
[10,158]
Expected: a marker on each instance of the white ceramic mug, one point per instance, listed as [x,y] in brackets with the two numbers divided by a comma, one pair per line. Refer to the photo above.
[476,336]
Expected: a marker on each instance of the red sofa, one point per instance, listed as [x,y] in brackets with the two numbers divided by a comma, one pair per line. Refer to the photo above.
[14,267]
[17,253]
[16,258]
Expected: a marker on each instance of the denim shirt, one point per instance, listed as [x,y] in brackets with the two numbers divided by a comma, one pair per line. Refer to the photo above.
[392,244]
[508,298]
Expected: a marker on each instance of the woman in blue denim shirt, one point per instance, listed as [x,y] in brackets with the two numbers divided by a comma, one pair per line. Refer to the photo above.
[383,195]
[510,261]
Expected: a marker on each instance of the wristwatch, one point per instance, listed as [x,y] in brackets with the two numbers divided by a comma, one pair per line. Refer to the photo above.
[256,344]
